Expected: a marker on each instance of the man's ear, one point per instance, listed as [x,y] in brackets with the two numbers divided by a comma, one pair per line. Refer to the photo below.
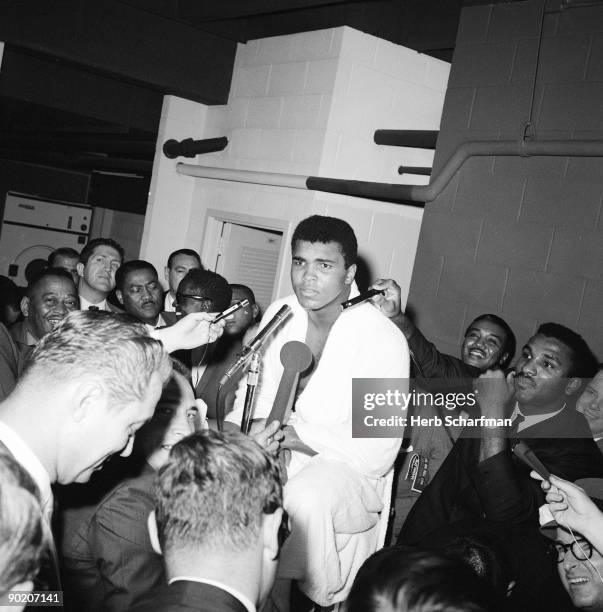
[255,310]
[573,385]
[25,303]
[120,296]
[350,273]
[87,395]
[270,526]
[153,533]
[80,268]
[503,358]
[166,274]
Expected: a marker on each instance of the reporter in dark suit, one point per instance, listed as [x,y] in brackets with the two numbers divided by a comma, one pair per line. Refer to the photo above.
[219,522]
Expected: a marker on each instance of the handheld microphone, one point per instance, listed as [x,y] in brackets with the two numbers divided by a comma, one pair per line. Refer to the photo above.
[233,308]
[363,297]
[256,343]
[296,358]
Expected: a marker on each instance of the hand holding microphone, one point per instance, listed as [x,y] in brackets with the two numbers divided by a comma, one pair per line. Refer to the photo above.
[389,300]
[363,297]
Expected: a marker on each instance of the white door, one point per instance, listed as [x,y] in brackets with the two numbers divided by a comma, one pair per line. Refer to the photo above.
[250,256]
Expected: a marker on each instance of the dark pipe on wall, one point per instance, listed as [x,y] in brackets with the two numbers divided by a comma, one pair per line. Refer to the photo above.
[407,194]
[190,148]
[416,139]
[421,170]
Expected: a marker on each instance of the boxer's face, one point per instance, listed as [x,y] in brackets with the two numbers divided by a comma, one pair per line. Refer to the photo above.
[318,274]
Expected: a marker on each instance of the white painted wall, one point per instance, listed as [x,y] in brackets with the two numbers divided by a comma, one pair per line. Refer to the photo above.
[307,104]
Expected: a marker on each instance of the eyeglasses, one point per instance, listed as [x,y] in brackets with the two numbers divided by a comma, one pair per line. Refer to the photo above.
[206,303]
[581,549]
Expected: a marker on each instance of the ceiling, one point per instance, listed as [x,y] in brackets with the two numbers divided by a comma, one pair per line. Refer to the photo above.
[82,81]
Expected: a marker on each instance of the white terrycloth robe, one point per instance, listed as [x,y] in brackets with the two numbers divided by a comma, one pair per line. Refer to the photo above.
[334,498]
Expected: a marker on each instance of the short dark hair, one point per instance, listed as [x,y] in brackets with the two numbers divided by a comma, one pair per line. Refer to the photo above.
[212,285]
[40,276]
[510,343]
[188,252]
[244,289]
[133,265]
[398,578]
[213,492]
[584,363]
[62,252]
[318,228]
[96,242]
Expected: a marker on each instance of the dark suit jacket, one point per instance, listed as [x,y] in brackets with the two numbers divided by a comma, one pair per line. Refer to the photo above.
[47,578]
[218,356]
[224,353]
[169,317]
[108,562]
[183,595]
[500,488]
[437,371]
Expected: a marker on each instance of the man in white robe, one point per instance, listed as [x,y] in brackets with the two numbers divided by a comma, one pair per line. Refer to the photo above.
[337,487]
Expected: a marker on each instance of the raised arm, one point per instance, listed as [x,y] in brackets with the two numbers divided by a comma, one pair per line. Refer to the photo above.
[430,362]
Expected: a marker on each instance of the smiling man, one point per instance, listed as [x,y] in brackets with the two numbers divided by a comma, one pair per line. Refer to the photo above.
[50,297]
[329,471]
[488,343]
[481,476]
[139,292]
[580,567]
[99,261]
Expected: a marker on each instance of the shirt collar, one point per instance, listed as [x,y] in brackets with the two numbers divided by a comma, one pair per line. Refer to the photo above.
[160,323]
[236,594]
[85,304]
[28,460]
[168,302]
[29,338]
[532,419]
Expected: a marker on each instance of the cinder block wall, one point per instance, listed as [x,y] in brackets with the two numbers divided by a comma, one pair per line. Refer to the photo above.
[515,236]
[306,104]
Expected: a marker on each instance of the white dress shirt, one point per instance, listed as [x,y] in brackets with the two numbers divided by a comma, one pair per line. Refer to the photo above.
[160,323]
[532,419]
[85,304]
[28,460]
[168,303]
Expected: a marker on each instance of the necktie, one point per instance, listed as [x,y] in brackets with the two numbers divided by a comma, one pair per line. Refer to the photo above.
[93,308]
[517,421]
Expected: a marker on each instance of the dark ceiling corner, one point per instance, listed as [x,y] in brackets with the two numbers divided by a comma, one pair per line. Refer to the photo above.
[82,85]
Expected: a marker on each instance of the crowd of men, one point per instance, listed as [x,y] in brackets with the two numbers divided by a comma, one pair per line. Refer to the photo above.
[123,488]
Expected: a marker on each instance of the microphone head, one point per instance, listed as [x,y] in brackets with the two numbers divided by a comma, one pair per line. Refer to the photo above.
[296,356]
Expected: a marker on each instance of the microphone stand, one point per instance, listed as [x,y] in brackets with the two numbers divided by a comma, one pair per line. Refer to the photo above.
[252,381]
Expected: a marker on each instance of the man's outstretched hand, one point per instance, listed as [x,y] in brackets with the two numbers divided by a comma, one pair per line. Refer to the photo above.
[193,330]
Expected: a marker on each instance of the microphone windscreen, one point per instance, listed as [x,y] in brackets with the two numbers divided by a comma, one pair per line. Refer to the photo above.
[296,356]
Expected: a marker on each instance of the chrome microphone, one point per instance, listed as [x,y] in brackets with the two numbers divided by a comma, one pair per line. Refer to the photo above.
[256,343]
[363,297]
